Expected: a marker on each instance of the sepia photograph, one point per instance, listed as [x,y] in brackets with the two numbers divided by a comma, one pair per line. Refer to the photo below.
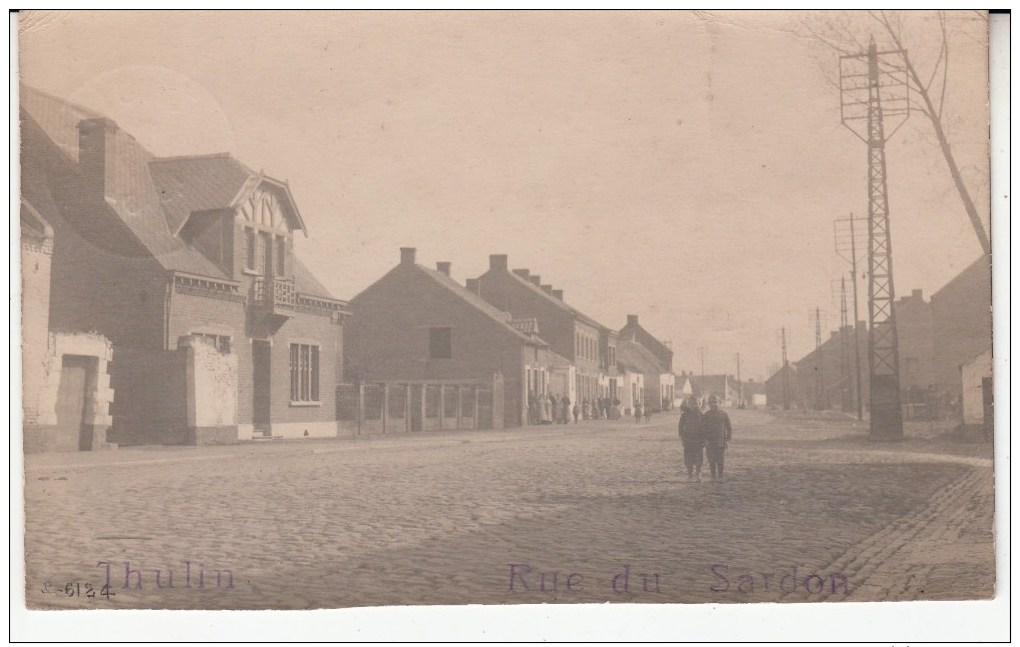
[334,309]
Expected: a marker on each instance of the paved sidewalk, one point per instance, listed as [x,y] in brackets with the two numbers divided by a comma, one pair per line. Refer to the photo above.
[600,509]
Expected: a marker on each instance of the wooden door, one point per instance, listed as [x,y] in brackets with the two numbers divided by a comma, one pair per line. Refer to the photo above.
[72,394]
[261,356]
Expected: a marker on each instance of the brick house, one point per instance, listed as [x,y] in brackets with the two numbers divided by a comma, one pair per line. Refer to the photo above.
[915,332]
[187,265]
[962,326]
[724,387]
[65,382]
[664,382]
[588,345]
[635,358]
[417,324]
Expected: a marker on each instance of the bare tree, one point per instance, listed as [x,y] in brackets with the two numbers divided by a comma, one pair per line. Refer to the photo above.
[840,32]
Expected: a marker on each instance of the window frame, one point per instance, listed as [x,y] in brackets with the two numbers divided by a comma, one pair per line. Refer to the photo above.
[304,363]
[435,343]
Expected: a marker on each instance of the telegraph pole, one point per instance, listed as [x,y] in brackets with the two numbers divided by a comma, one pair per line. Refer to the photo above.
[740,384]
[786,375]
[867,81]
[844,350]
[846,248]
[819,366]
[858,396]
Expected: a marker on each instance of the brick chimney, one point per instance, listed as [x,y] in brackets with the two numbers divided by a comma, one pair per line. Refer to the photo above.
[498,262]
[632,320]
[93,143]
[407,255]
[536,279]
[547,288]
[444,267]
[473,286]
[558,294]
[523,273]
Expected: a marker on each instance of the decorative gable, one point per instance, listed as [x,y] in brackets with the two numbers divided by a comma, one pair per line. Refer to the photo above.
[265,209]
[267,205]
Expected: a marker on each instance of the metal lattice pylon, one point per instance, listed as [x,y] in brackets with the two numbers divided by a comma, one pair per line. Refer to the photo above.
[883,93]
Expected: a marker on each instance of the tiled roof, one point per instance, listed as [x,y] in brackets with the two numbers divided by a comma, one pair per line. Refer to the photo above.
[306,283]
[711,383]
[560,303]
[152,197]
[198,183]
[633,356]
[58,118]
[503,318]
[636,333]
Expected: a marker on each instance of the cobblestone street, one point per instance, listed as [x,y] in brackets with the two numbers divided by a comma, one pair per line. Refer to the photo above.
[599,511]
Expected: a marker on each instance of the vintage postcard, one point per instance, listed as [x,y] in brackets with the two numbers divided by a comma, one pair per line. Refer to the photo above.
[344,309]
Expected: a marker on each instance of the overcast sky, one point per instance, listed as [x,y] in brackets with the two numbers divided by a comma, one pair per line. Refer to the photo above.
[678,166]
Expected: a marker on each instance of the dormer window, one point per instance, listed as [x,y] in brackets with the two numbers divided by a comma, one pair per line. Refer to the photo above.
[280,253]
[250,253]
[266,233]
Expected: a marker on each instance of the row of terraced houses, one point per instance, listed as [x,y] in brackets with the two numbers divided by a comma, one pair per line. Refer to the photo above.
[164,302]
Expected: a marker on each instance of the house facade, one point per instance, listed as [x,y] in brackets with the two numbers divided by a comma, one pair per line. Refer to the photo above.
[416,323]
[589,346]
[648,390]
[662,396]
[66,392]
[977,402]
[187,265]
[962,327]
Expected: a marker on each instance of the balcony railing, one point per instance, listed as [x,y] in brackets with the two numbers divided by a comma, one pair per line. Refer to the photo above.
[273,294]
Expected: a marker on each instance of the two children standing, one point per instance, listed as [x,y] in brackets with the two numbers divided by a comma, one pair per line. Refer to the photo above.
[704,433]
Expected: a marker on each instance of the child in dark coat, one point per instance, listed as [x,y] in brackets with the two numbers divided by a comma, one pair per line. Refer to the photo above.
[692,436]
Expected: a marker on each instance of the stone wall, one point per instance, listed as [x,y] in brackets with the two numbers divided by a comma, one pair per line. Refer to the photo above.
[41,432]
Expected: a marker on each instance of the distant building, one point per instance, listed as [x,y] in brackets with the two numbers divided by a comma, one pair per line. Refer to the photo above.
[825,376]
[634,332]
[187,266]
[754,394]
[632,357]
[660,388]
[417,323]
[724,387]
[962,323]
[976,377]
[916,337]
[782,389]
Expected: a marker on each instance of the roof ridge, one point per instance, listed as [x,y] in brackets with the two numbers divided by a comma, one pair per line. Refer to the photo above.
[178,158]
[477,302]
[52,97]
[559,302]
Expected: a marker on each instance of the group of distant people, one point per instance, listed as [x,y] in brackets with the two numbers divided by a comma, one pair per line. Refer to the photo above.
[704,434]
[552,409]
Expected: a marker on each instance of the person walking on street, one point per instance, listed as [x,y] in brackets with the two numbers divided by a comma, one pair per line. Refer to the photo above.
[692,435]
[718,432]
[565,410]
[577,412]
[637,412]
